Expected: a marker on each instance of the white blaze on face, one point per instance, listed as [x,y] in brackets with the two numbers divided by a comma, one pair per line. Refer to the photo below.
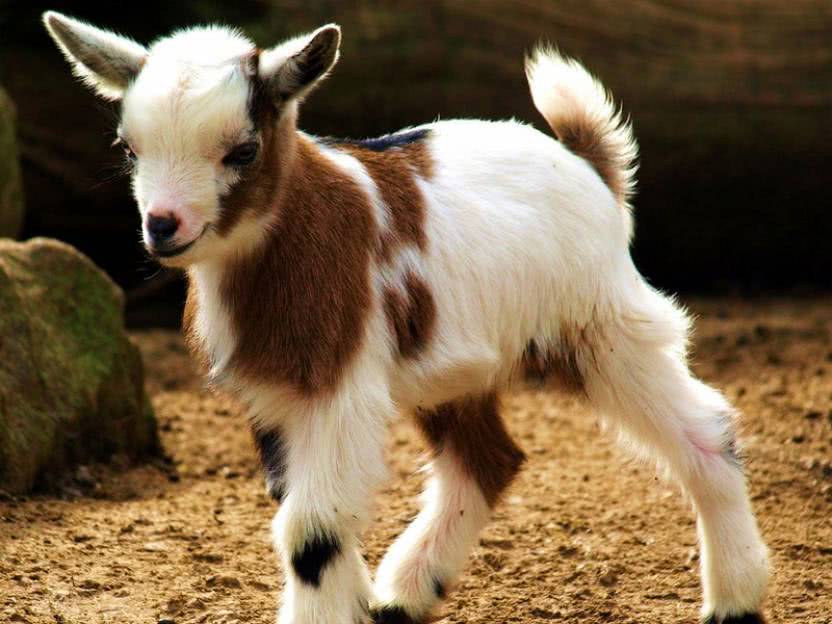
[187,108]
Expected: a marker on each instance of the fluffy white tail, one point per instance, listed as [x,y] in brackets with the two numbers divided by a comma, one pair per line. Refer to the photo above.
[583,116]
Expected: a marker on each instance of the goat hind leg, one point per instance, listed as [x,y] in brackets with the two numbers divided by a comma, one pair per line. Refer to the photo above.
[640,380]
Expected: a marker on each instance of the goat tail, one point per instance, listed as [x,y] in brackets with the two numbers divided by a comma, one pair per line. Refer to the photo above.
[584,118]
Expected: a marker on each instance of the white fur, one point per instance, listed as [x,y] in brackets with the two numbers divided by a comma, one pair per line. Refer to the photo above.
[643,387]
[519,239]
[187,107]
[335,462]
[525,242]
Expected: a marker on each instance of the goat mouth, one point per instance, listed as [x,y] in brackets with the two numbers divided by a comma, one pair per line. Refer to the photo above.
[172,252]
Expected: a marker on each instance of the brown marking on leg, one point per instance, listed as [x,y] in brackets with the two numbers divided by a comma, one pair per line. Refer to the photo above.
[298,304]
[411,316]
[554,364]
[394,173]
[473,430]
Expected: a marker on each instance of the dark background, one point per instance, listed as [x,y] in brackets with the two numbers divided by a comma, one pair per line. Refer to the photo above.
[731,103]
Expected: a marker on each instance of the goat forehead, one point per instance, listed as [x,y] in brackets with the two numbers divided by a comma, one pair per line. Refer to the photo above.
[205,46]
[191,92]
[186,107]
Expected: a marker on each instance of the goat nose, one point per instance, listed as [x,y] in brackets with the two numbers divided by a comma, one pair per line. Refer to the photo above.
[162,228]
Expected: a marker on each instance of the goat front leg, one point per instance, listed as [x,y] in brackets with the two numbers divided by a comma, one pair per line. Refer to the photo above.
[334,461]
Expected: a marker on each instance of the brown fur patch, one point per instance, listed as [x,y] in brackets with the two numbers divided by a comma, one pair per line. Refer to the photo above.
[473,430]
[192,341]
[411,317]
[260,182]
[299,302]
[554,365]
[393,171]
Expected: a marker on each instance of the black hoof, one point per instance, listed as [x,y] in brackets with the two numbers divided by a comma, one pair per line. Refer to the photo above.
[391,615]
[746,618]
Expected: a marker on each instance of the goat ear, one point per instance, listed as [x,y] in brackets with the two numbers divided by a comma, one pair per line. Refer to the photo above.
[292,69]
[105,61]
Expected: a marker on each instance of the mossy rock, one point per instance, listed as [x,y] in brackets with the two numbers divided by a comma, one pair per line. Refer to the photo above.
[71,382]
[11,187]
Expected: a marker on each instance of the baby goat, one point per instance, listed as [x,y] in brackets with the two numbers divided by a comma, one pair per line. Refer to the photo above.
[335,283]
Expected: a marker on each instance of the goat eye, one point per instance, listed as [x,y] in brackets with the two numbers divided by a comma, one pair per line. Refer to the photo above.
[242,155]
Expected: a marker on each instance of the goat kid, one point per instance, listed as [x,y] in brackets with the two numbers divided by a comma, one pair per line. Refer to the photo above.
[334,283]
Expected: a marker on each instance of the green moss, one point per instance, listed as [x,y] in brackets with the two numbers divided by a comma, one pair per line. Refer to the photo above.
[75,389]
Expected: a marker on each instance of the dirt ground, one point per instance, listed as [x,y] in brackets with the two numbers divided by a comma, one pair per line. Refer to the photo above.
[584,536]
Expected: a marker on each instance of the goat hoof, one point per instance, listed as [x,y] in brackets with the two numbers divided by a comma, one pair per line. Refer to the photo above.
[391,615]
[745,618]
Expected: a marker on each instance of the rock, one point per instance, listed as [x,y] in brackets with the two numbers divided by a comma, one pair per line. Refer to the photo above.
[230,473]
[174,605]
[11,187]
[208,557]
[230,582]
[71,382]
[195,604]
[80,538]
[154,547]
[608,578]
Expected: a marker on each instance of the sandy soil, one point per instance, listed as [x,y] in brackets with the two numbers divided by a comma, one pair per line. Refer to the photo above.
[584,535]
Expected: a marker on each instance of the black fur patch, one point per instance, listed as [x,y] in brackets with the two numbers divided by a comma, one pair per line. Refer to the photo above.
[314,64]
[438,588]
[310,562]
[273,460]
[746,618]
[314,60]
[261,103]
[382,143]
[392,615]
